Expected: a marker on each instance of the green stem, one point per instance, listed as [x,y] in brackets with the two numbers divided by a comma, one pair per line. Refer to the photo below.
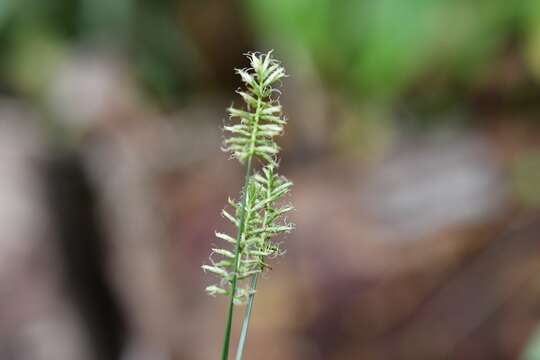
[228,326]
[251,296]
[247,317]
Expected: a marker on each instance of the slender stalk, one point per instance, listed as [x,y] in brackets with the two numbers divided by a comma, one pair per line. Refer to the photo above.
[247,316]
[251,297]
[228,326]
[256,219]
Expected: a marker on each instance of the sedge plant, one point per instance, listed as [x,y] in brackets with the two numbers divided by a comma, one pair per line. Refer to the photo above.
[259,216]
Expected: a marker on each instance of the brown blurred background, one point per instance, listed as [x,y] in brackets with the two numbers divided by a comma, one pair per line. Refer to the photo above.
[413,143]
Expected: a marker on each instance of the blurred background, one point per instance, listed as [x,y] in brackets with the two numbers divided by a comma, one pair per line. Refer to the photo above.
[413,143]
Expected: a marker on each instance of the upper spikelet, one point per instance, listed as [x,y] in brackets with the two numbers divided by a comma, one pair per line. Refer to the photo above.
[254,126]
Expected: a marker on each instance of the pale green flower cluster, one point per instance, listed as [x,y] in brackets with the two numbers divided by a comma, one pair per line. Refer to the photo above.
[262,119]
[258,216]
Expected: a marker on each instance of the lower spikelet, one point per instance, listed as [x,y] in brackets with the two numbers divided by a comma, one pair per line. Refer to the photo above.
[264,219]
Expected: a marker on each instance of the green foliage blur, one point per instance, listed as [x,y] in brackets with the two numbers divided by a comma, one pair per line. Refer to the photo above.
[372,49]
[380,47]
[35,36]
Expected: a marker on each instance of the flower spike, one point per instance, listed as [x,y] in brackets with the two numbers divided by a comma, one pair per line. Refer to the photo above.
[259,215]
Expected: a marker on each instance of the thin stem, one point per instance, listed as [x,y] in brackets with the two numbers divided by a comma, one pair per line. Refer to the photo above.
[251,296]
[228,326]
[247,317]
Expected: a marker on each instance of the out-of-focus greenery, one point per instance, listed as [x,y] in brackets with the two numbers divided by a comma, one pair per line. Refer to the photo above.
[374,49]
[533,28]
[36,35]
[379,47]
